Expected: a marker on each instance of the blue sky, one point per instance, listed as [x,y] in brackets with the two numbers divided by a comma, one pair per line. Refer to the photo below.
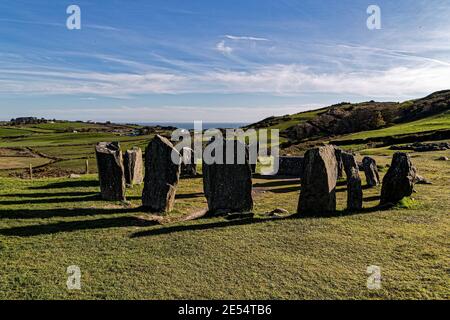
[216,61]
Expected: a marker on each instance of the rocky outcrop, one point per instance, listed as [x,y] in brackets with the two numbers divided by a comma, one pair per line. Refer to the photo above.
[423,147]
[110,171]
[318,190]
[162,173]
[399,180]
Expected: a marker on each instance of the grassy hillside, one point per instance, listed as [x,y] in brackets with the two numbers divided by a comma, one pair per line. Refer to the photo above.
[346,121]
[436,122]
[49,224]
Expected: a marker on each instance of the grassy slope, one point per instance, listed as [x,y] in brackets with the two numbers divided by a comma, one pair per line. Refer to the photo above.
[436,122]
[47,225]
[72,147]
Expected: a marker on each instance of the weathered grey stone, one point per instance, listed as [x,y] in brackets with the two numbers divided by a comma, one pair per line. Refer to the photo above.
[133,164]
[188,165]
[162,174]
[339,162]
[399,180]
[290,166]
[318,190]
[421,180]
[110,171]
[443,158]
[253,150]
[228,187]
[371,171]
[354,189]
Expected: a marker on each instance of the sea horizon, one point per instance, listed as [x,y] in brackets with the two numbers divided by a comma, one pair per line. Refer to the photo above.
[190,125]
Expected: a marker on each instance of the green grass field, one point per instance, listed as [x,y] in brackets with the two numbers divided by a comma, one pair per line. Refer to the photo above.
[47,225]
[437,122]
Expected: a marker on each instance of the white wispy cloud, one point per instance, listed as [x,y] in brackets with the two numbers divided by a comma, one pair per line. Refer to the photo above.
[223,48]
[231,37]
[404,81]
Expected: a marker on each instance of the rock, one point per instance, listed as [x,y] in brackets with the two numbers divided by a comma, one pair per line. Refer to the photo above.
[278,212]
[74,176]
[443,159]
[399,180]
[354,189]
[161,175]
[340,164]
[423,147]
[133,164]
[239,215]
[371,171]
[421,180]
[110,171]
[228,187]
[290,166]
[318,191]
[188,165]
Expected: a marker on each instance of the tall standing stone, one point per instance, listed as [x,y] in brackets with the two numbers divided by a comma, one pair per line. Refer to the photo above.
[340,163]
[228,186]
[133,164]
[110,171]
[318,190]
[188,165]
[162,174]
[354,189]
[371,171]
[399,180]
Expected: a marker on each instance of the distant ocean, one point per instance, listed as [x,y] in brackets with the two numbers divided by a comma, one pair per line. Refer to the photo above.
[190,125]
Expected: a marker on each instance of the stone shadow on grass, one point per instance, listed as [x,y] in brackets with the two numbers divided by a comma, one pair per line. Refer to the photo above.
[245,221]
[68,184]
[48,195]
[62,212]
[95,197]
[105,223]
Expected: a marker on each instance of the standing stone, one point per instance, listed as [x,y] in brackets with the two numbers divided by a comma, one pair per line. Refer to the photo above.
[399,180]
[339,161]
[228,187]
[161,175]
[354,189]
[371,171]
[133,164]
[290,166]
[188,165]
[110,171]
[253,151]
[318,190]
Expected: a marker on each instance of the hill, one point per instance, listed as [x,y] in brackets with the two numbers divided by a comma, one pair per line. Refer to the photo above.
[346,121]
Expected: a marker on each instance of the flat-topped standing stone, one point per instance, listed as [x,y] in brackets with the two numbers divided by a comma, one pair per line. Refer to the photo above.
[290,166]
[399,180]
[133,164]
[228,187]
[371,171]
[354,189]
[161,175]
[188,165]
[318,190]
[110,171]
